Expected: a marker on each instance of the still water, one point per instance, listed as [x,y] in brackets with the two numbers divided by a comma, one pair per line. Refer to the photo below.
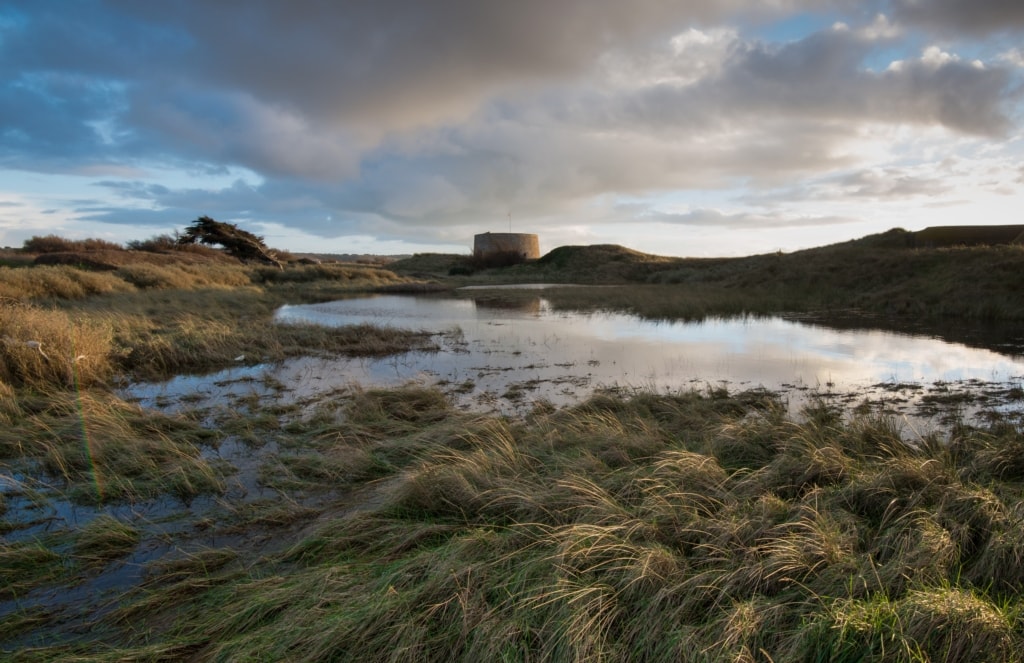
[507,356]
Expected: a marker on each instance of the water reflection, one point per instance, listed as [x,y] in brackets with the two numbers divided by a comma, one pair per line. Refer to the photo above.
[530,305]
[508,355]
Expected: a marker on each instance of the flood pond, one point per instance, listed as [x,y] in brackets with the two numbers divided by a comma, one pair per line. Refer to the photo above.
[506,355]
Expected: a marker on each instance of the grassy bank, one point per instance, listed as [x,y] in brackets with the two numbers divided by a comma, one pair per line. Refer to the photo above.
[689,527]
[64,326]
[882,274]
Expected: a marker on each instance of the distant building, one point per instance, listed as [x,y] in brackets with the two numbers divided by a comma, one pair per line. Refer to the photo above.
[523,245]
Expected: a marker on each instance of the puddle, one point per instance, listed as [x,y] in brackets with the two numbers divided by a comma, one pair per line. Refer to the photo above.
[169,529]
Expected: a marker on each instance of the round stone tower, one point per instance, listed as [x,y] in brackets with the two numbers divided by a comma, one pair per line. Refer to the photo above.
[494,244]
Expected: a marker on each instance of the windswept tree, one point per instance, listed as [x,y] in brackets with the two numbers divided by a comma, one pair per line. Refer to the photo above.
[236,242]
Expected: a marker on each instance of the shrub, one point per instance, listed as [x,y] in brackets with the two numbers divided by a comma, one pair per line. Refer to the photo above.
[155,244]
[56,244]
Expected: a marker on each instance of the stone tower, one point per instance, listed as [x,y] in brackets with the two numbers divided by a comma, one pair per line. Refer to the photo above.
[490,244]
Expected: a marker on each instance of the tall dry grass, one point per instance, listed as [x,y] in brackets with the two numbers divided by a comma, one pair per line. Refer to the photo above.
[185,276]
[57,282]
[49,348]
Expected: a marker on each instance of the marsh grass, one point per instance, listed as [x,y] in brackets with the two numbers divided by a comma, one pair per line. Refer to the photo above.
[25,565]
[104,539]
[670,302]
[103,449]
[186,276]
[89,343]
[700,526]
[169,332]
[358,274]
[127,272]
[198,563]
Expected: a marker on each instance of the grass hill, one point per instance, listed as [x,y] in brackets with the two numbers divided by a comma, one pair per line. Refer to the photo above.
[935,273]
[942,272]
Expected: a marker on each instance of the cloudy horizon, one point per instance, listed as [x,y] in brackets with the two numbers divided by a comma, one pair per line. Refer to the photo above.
[692,128]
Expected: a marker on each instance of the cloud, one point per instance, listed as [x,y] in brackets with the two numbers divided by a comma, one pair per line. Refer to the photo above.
[235,128]
[420,119]
[403,63]
[959,16]
[1013,57]
[50,117]
[745,220]
[889,183]
[823,79]
[757,112]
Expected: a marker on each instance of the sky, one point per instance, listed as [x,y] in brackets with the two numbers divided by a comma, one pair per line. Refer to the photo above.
[682,128]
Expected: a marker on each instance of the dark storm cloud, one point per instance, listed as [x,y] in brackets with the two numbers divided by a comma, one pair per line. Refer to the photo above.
[234,128]
[53,117]
[960,16]
[86,38]
[403,62]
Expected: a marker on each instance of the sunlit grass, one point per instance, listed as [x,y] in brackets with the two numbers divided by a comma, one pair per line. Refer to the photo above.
[57,282]
[45,348]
